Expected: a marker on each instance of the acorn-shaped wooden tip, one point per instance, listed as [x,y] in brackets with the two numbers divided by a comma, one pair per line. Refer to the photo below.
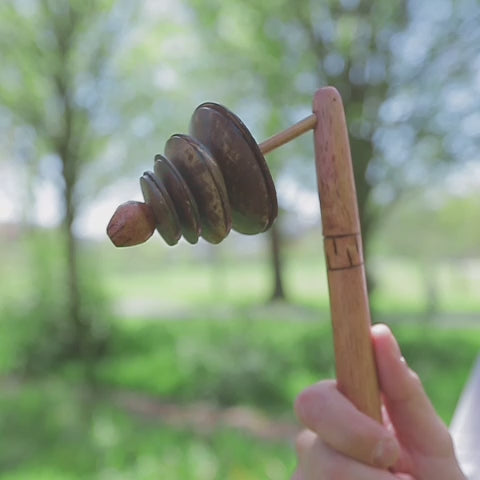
[131,224]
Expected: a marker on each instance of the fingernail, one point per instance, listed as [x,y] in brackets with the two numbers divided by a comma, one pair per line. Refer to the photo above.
[396,347]
[399,353]
[386,453]
[383,330]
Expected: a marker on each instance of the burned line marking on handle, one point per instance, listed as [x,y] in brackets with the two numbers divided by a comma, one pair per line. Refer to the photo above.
[343,251]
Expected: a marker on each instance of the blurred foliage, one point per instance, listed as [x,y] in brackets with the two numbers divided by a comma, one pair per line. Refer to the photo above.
[38,335]
[289,49]
[115,445]
[391,62]
[434,225]
[240,360]
[242,279]
[78,435]
[440,232]
[403,70]
[56,66]
[265,362]
[74,93]
[87,89]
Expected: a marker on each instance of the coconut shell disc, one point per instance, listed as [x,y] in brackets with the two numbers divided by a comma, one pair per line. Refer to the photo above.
[185,205]
[250,187]
[157,197]
[204,180]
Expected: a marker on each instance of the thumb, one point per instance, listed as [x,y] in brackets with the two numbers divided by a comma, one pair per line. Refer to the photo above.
[416,423]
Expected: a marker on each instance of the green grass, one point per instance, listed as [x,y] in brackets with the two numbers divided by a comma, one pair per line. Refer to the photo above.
[443,359]
[244,360]
[197,284]
[400,287]
[204,275]
[51,429]
[265,361]
[48,432]
[209,337]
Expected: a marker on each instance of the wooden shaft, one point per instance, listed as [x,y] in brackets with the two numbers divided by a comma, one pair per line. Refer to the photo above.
[289,134]
[350,312]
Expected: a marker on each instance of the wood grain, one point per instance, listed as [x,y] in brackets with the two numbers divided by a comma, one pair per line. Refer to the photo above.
[350,311]
[288,134]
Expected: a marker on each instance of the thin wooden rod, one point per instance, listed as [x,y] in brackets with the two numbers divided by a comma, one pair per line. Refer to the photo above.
[289,134]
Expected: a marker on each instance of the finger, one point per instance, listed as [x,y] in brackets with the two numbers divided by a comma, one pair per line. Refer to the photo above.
[303,443]
[328,413]
[414,418]
[322,462]
[297,475]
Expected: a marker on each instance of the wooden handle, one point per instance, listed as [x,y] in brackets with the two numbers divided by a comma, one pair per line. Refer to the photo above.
[350,312]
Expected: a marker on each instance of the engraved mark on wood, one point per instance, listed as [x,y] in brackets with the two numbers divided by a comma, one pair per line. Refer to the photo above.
[343,251]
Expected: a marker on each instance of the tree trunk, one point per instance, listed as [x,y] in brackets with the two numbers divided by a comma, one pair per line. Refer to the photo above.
[362,152]
[278,292]
[80,341]
[73,290]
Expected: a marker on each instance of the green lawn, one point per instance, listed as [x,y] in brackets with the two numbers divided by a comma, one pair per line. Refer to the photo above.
[400,287]
[207,336]
[51,430]
[183,277]
[265,361]
[48,432]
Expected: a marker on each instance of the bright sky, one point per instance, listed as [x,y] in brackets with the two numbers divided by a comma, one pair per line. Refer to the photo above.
[94,217]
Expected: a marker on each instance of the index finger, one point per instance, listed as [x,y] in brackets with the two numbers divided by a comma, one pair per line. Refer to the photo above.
[328,413]
[409,407]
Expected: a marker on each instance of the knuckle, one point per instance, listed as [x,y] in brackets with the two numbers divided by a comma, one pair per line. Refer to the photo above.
[303,405]
[333,469]
[311,403]
[415,380]
[299,405]
[304,442]
[321,461]
[413,387]
[446,444]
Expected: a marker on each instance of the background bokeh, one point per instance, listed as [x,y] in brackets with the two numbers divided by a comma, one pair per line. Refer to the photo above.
[159,362]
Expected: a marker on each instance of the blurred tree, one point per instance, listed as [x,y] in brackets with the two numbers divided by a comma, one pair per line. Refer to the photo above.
[56,67]
[291,48]
[423,226]
[436,228]
[68,85]
[274,55]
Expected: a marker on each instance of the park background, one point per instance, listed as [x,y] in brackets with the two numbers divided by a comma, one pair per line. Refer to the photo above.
[184,362]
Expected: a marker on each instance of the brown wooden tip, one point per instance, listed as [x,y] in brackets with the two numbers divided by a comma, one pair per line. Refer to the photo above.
[131,224]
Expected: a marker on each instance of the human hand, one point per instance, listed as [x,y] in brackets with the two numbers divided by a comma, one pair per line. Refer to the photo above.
[341,443]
